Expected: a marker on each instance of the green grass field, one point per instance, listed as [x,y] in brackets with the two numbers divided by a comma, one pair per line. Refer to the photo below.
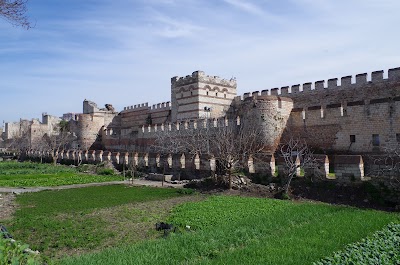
[236,230]
[66,221]
[115,224]
[26,174]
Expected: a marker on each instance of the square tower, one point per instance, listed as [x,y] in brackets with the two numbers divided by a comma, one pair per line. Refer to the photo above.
[201,96]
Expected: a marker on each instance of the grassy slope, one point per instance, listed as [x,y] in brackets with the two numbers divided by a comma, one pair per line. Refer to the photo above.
[234,230]
[51,221]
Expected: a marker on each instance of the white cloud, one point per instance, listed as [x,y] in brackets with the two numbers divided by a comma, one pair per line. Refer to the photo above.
[173,28]
[246,6]
[126,55]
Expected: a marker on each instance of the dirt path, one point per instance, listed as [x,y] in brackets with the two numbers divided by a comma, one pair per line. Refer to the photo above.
[136,182]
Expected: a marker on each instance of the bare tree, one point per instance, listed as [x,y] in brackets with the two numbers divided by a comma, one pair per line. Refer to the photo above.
[231,144]
[386,166]
[132,147]
[14,11]
[296,155]
[61,138]
[20,140]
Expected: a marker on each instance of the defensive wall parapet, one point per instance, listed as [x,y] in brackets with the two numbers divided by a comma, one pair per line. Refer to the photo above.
[343,117]
[307,94]
[346,82]
[346,117]
[142,106]
[201,77]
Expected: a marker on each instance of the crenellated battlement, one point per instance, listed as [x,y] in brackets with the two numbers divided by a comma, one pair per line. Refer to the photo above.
[161,106]
[259,95]
[189,124]
[137,107]
[200,76]
[346,82]
[354,113]
[145,106]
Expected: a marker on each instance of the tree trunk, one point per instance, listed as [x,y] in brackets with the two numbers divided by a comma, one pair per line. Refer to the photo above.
[54,160]
[123,169]
[163,177]
[230,178]
[287,186]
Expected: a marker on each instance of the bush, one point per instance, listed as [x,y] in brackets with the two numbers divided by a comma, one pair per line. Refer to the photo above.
[261,178]
[381,248]
[85,168]
[105,171]
[12,252]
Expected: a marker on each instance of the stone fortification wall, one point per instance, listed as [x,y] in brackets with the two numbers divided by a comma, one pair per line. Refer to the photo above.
[89,129]
[200,95]
[94,123]
[33,130]
[134,116]
[354,117]
[131,120]
[270,113]
[13,129]
[37,131]
[160,113]
[89,107]
[317,93]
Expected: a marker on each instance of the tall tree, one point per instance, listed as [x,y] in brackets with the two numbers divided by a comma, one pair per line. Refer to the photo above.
[14,11]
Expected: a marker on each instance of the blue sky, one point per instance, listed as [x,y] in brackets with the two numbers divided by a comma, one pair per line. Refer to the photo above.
[124,52]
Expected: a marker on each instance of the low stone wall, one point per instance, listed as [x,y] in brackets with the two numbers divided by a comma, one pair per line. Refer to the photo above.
[345,168]
[348,167]
[322,168]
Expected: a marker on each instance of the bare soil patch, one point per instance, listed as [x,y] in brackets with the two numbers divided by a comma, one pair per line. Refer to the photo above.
[7,205]
[351,194]
[129,223]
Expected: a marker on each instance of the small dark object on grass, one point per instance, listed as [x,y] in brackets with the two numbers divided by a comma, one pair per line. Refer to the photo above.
[166,227]
[4,232]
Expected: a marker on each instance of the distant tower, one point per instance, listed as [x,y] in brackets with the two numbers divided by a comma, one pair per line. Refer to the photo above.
[200,96]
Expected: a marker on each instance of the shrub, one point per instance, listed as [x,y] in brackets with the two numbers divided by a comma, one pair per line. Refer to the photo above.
[105,171]
[261,178]
[12,252]
[85,168]
[381,248]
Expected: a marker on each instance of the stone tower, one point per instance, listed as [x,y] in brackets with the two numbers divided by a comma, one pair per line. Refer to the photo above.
[201,96]
[270,113]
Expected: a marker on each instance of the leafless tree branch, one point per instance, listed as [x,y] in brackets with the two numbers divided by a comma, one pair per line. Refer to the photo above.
[296,155]
[60,139]
[14,11]
[228,143]
[386,166]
